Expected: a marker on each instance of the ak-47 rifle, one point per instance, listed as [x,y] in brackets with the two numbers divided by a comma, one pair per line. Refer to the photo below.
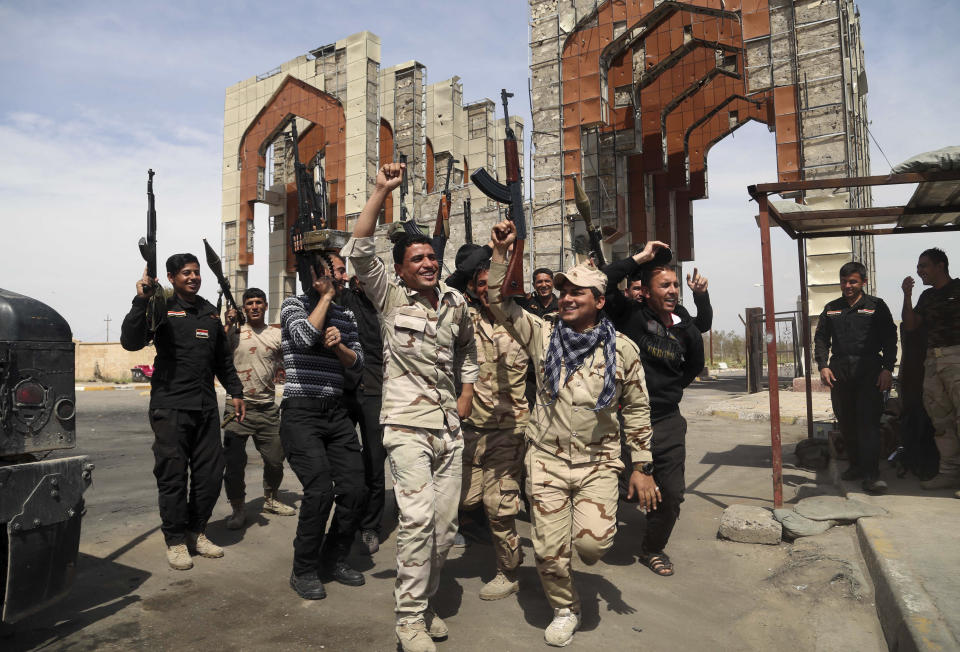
[467,222]
[311,210]
[441,230]
[213,262]
[593,232]
[512,194]
[408,224]
[157,305]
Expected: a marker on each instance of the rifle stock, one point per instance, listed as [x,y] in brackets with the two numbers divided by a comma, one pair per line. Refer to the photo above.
[213,262]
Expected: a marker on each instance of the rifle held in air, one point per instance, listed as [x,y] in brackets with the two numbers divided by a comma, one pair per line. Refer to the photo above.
[510,193]
[593,232]
[157,305]
[311,209]
[467,222]
[408,224]
[441,230]
[213,262]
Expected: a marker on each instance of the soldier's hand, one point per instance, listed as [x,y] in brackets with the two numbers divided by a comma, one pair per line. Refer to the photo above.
[390,176]
[503,235]
[645,489]
[885,380]
[331,337]
[464,405]
[907,286]
[231,316]
[697,283]
[145,285]
[323,285]
[827,377]
[649,251]
[240,408]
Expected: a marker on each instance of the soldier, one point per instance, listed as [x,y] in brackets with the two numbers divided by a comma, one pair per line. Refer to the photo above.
[542,301]
[858,333]
[320,343]
[938,311]
[191,349]
[258,359]
[671,349]
[585,369]
[428,341]
[493,443]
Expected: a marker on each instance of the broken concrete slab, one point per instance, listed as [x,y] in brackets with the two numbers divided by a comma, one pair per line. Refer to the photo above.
[749,524]
[836,508]
[796,526]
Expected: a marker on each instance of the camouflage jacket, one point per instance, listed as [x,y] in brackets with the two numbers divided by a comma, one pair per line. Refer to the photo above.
[423,349]
[568,426]
[498,395]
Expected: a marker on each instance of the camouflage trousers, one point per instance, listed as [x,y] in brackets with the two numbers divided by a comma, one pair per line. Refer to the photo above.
[572,506]
[492,467]
[941,398]
[426,468]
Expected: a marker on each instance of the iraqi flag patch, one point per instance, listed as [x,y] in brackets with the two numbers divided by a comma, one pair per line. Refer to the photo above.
[866,311]
[202,334]
[834,313]
[176,313]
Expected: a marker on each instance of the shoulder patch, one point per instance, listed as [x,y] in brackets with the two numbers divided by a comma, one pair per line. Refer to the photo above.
[834,313]
[176,313]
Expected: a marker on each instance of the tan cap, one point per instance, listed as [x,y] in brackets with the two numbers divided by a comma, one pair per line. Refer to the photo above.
[585,275]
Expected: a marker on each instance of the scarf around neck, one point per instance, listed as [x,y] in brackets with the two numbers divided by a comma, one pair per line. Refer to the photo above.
[571,349]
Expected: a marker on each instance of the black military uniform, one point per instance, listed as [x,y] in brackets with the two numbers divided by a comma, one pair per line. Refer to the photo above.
[860,340]
[532,304]
[191,349]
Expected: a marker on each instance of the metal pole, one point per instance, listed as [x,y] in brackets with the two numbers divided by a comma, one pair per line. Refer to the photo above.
[711,347]
[773,376]
[805,330]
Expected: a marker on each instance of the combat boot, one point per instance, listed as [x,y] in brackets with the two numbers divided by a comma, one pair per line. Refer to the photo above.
[239,516]
[501,586]
[199,544]
[436,628]
[560,632]
[273,506]
[179,557]
[413,637]
[940,481]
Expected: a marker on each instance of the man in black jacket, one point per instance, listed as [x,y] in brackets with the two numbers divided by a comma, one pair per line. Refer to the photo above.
[191,349]
[671,350]
[860,331]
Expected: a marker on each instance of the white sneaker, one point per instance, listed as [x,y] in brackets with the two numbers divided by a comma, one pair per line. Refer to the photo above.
[179,557]
[560,632]
[199,544]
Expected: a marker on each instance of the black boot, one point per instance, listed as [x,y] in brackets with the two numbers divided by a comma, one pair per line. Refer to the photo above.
[308,586]
[344,573]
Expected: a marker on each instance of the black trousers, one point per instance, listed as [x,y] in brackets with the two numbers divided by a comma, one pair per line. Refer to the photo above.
[364,410]
[186,446]
[669,447]
[858,406]
[322,449]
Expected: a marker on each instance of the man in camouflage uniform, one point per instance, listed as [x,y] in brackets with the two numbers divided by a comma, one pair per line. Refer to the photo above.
[428,340]
[938,312]
[493,442]
[585,369]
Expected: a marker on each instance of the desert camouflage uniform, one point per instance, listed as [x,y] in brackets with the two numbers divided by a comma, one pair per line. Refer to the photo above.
[493,436]
[423,350]
[574,458]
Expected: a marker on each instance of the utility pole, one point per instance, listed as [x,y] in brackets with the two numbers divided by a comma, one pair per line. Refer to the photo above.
[108,320]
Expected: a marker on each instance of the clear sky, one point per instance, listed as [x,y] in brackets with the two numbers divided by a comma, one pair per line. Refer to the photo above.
[94,93]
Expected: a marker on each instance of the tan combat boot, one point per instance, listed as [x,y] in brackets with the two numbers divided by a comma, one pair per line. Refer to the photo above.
[239,516]
[413,637]
[501,586]
[436,628]
[179,557]
[273,506]
[199,544]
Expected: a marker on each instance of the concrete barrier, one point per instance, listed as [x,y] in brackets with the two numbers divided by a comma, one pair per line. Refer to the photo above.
[108,361]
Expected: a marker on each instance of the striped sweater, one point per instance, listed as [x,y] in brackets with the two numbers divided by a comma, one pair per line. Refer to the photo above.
[312,370]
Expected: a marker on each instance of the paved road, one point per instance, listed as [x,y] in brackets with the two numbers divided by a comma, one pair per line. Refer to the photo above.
[725,596]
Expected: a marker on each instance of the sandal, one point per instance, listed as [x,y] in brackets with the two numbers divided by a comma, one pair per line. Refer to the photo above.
[658,562]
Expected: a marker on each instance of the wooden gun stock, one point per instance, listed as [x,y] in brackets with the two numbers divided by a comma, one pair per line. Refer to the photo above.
[513,282]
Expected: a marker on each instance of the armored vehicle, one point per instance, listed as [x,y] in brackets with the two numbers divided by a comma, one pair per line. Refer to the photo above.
[41,500]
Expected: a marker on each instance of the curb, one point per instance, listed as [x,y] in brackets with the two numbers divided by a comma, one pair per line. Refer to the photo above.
[754,416]
[910,620]
[104,388]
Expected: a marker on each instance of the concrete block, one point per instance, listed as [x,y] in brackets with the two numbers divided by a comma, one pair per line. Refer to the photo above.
[749,524]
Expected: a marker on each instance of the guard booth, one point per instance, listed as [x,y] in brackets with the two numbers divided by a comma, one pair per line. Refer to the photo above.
[41,501]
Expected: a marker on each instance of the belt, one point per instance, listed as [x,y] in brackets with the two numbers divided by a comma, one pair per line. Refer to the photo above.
[940,351]
[310,403]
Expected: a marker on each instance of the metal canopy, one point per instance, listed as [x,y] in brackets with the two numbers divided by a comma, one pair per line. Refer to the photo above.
[934,207]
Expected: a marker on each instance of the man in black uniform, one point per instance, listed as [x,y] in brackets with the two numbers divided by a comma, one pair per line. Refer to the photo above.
[671,351]
[191,349]
[542,301]
[859,330]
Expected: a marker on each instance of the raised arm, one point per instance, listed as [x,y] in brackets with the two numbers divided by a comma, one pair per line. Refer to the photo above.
[911,320]
[524,327]
[133,330]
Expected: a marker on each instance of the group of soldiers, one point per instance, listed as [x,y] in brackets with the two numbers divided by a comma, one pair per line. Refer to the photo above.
[569,401]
